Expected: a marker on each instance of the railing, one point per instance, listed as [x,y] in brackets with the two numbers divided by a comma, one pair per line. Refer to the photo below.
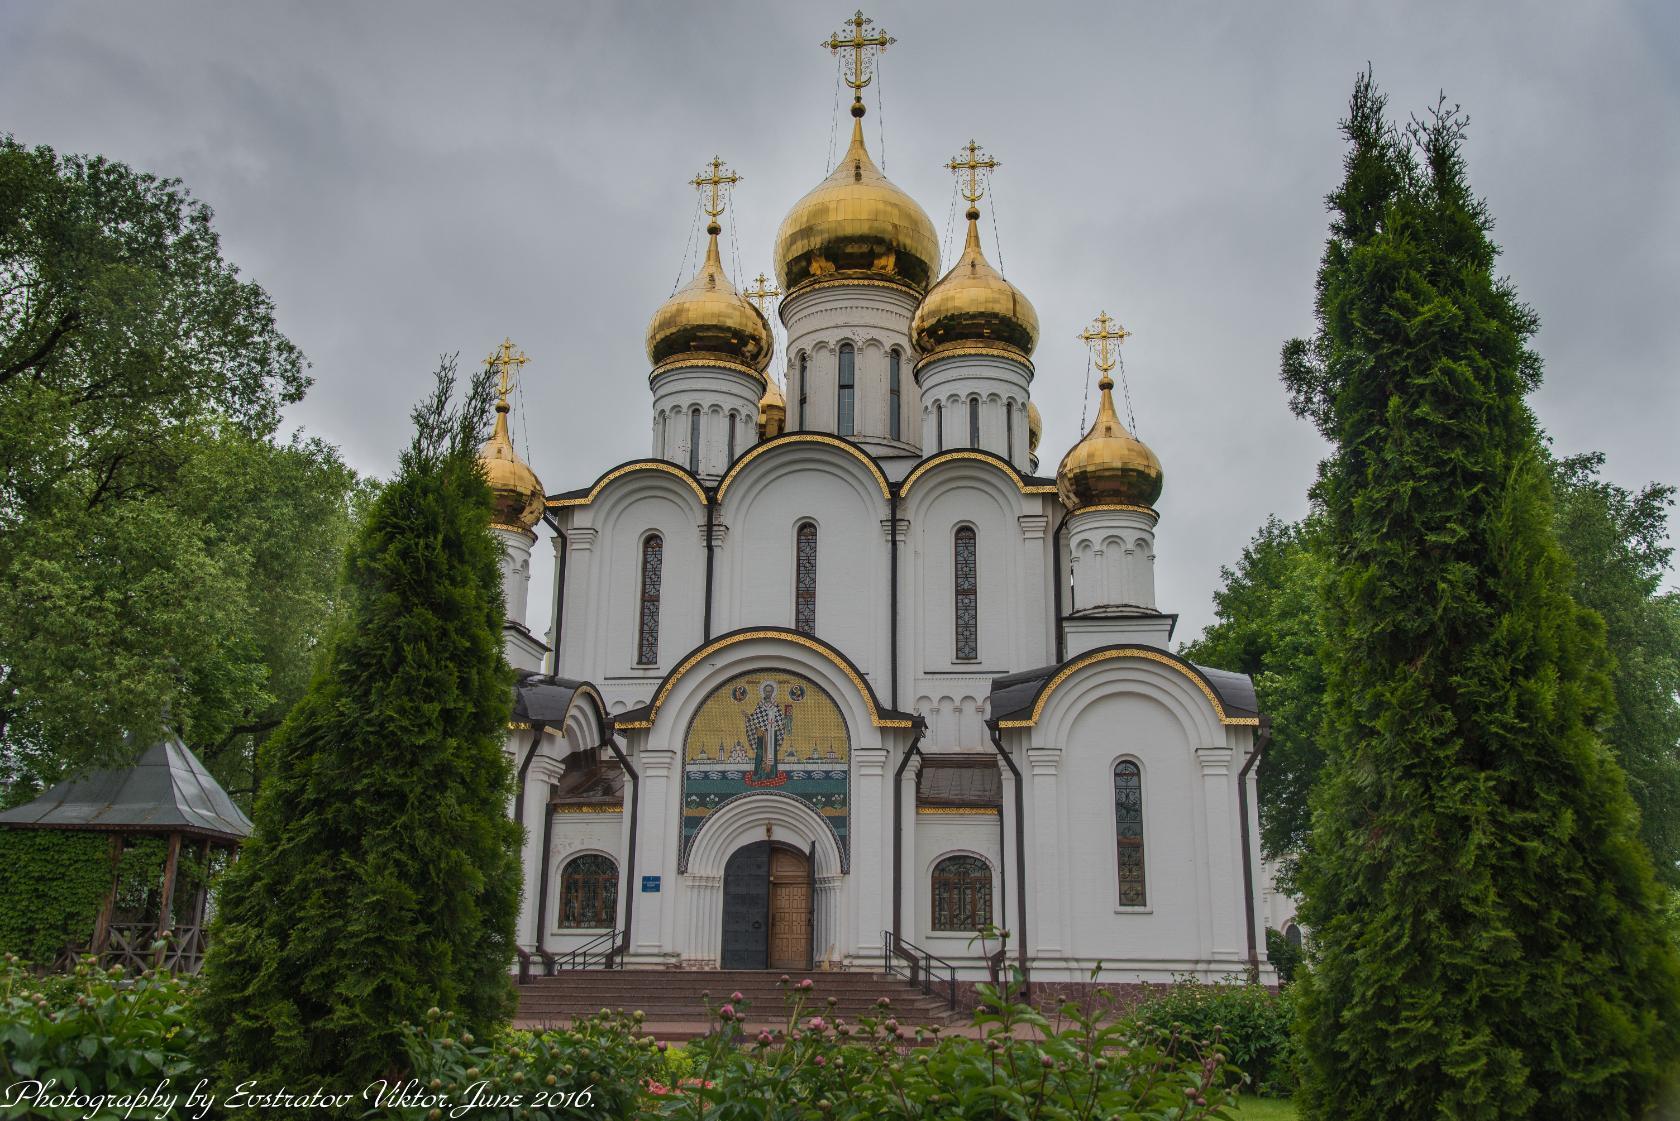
[916,965]
[597,953]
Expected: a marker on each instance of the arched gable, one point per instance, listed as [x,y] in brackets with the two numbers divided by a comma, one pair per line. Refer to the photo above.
[764,455]
[1178,683]
[937,463]
[635,469]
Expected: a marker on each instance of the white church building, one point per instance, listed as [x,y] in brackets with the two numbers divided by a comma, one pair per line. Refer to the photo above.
[834,672]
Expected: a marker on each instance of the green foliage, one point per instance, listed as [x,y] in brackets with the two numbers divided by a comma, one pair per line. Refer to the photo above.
[159,551]
[383,874]
[53,883]
[1251,1022]
[1266,624]
[1486,935]
[95,1032]
[1285,957]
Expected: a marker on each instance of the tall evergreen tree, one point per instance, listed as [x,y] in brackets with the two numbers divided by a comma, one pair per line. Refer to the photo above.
[383,874]
[1487,928]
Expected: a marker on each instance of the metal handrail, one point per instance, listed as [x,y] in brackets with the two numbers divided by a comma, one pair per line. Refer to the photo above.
[603,949]
[920,969]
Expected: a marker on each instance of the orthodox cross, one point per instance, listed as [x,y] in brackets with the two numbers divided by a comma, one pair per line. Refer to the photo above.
[506,361]
[713,186]
[864,48]
[762,292]
[1106,334]
[972,162]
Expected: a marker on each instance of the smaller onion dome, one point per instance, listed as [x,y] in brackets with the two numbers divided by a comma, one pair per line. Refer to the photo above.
[1109,464]
[772,411]
[708,319]
[973,305]
[516,495]
[1035,428]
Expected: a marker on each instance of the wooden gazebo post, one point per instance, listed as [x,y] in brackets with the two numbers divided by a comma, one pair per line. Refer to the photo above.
[102,925]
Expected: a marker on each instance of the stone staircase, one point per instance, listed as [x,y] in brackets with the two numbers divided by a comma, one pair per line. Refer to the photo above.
[673,1003]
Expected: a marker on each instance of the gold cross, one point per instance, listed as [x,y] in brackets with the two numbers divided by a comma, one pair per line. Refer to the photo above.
[506,361]
[714,185]
[762,291]
[973,166]
[861,46]
[1105,332]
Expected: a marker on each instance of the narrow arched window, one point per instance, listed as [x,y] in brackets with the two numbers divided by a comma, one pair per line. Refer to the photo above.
[1009,427]
[804,362]
[968,593]
[661,429]
[1128,827]
[894,396]
[847,406]
[589,892]
[733,424]
[962,894]
[938,426]
[694,439]
[647,620]
[974,422]
[805,580]
[1292,935]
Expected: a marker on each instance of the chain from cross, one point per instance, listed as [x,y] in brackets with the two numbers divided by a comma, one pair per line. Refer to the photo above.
[977,165]
[506,361]
[1107,335]
[863,47]
[762,292]
[714,185]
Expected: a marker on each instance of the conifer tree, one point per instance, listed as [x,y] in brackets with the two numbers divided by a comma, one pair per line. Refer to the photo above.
[1487,939]
[382,877]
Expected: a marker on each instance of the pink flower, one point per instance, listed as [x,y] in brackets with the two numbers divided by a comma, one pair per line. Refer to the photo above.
[816,1023]
[736,997]
[806,985]
[820,1061]
[764,1039]
[727,1012]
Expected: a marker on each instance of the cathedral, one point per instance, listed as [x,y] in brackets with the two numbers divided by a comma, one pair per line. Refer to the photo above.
[834,675]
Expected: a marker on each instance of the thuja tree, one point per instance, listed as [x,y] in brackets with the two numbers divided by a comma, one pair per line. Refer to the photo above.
[1487,929]
[382,877]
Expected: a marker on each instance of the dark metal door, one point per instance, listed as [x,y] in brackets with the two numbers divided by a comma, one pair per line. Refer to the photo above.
[746,908]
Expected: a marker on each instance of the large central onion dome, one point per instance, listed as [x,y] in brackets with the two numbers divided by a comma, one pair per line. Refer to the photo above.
[1109,465]
[516,496]
[856,225]
[972,305]
[707,319]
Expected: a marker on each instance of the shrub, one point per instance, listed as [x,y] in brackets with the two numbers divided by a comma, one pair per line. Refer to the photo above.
[1250,1021]
[1285,956]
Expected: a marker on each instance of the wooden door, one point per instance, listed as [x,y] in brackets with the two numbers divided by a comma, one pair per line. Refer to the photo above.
[746,908]
[790,909]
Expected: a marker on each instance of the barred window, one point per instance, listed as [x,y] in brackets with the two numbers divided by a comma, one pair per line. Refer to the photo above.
[589,892]
[968,594]
[974,422]
[694,439]
[894,396]
[647,625]
[804,362]
[1128,824]
[845,418]
[962,894]
[805,580]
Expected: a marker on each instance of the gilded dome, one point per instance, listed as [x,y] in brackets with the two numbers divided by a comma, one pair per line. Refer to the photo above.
[708,318]
[772,411]
[973,305]
[1035,428]
[516,496]
[857,224]
[1109,464]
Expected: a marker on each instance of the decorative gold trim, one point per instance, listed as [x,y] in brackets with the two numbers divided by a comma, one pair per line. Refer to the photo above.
[981,811]
[680,363]
[519,529]
[714,646]
[562,809]
[1129,506]
[958,350]
[1131,652]
[519,725]
[639,465]
[813,284]
[1001,464]
[806,438]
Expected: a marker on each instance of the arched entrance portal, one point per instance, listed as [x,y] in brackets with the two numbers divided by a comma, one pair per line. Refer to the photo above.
[767,908]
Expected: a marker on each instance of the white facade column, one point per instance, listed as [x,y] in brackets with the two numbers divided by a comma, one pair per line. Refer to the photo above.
[910,882]
[1033,604]
[1044,851]
[577,621]
[656,855]
[530,849]
[871,892]
[1224,885]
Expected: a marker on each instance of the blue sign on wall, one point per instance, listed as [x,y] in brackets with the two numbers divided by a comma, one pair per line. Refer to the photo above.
[650,883]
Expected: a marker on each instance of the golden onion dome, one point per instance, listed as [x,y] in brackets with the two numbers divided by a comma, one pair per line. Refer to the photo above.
[1109,464]
[708,319]
[1035,428]
[516,495]
[973,305]
[772,411]
[857,224]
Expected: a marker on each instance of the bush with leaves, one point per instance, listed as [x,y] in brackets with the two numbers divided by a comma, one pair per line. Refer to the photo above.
[1251,1022]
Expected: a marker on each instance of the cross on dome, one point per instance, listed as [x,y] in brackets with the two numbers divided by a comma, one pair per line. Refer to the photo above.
[1104,336]
[506,360]
[762,292]
[976,166]
[860,68]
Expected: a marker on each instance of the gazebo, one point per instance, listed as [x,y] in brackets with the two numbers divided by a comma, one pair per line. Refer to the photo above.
[168,793]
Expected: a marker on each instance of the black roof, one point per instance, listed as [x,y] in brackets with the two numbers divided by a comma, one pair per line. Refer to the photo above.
[959,779]
[539,698]
[1013,694]
[167,791]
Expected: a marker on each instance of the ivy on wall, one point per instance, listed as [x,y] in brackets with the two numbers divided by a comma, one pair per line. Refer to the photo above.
[53,882]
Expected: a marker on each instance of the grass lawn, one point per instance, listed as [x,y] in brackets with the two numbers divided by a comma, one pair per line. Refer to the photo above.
[1266,1109]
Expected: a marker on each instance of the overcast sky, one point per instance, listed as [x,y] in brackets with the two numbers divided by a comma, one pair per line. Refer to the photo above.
[409,179]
